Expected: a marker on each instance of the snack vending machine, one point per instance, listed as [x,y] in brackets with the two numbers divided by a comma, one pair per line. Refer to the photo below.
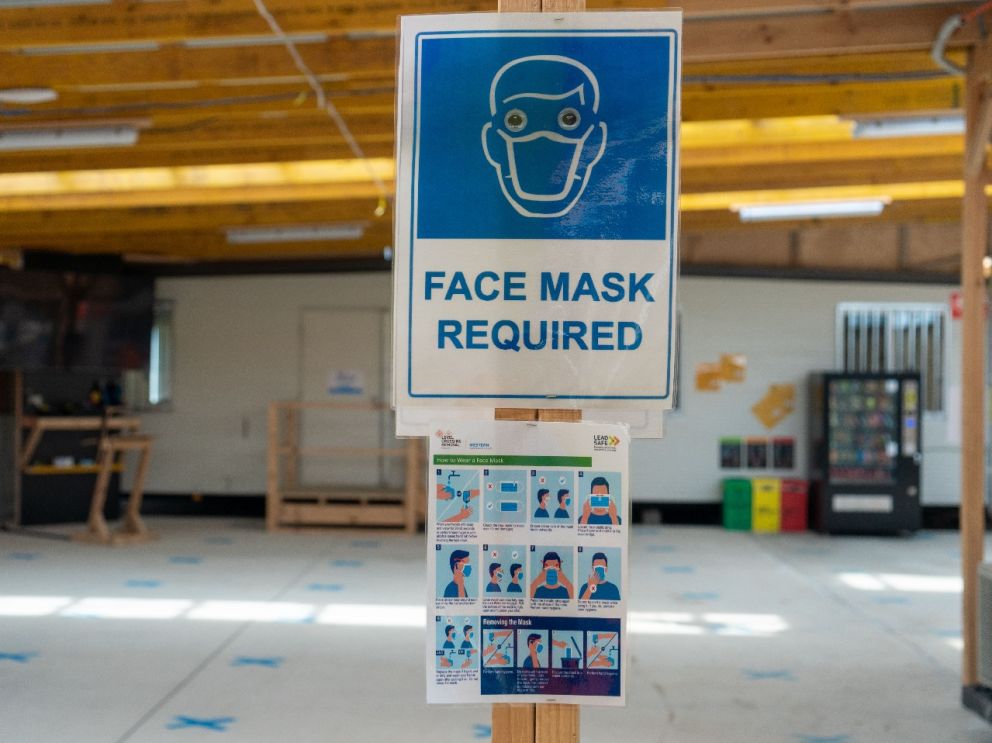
[866,452]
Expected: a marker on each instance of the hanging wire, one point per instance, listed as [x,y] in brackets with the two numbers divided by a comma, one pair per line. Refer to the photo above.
[326,104]
[947,30]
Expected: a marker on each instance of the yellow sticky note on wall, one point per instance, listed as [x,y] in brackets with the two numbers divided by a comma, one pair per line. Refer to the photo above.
[733,367]
[777,404]
[708,377]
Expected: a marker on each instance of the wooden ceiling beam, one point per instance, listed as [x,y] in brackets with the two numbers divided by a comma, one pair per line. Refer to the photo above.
[174,155]
[350,60]
[758,29]
[190,196]
[74,222]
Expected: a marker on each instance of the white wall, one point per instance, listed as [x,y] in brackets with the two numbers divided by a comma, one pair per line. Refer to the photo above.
[786,330]
[238,347]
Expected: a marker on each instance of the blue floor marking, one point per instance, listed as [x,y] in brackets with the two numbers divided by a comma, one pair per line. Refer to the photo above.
[891,600]
[185,560]
[331,587]
[23,556]
[18,657]
[143,583]
[480,732]
[243,660]
[208,723]
[777,675]
[685,569]
[347,563]
[699,596]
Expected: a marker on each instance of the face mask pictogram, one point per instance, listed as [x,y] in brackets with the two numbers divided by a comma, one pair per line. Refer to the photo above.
[544,134]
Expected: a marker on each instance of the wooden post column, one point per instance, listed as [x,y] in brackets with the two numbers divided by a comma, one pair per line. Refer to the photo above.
[541,723]
[536,723]
[978,113]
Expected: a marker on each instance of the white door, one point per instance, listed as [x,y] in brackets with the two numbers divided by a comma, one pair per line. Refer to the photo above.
[345,357]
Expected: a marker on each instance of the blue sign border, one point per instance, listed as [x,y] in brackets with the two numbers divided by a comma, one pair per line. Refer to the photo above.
[676,73]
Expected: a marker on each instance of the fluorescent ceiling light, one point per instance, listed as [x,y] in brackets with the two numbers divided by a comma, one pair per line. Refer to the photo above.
[295,233]
[27,96]
[108,47]
[65,137]
[223,42]
[811,210]
[915,126]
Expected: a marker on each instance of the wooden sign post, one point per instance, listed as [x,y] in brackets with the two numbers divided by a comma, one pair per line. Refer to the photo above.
[536,723]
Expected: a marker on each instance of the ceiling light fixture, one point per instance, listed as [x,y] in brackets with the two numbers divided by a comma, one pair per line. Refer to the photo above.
[56,138]
[909,126]
[110,47]
[27,96]
[224,42]
[811,209]
[295,233]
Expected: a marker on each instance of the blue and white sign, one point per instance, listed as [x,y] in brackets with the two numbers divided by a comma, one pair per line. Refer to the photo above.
[537,210]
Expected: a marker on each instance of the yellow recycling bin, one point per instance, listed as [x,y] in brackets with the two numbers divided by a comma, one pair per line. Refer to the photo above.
[766,504]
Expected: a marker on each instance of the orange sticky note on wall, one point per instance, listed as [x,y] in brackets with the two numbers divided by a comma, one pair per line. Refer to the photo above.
[708,377]
[777,404]
[733,367]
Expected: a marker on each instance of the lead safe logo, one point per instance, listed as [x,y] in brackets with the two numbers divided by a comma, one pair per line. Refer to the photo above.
[604,442]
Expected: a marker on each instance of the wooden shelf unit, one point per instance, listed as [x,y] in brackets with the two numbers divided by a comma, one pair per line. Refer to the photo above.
[292,506]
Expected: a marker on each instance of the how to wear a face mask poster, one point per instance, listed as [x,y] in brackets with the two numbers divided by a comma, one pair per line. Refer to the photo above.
[527,562]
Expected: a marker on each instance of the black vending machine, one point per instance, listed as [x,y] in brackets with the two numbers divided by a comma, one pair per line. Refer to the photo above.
[866,452]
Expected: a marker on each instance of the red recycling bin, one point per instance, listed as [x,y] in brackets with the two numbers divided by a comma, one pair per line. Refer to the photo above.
[795,505]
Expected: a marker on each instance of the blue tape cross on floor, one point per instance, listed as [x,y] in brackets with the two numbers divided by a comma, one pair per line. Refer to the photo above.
[331,587]
[243,660]
[347,563]
[23,556]
[779,675]
[143,583]
[18,657]
[699,596]
[219,724]
[479,732]
[185,560]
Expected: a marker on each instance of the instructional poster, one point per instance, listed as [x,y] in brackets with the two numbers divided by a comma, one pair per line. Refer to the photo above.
[527,544]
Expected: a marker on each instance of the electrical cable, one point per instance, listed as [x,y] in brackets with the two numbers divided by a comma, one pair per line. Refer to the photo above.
[947,30]
[326,104]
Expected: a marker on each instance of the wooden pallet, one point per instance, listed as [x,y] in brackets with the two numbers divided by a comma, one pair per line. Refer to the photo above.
[291,506]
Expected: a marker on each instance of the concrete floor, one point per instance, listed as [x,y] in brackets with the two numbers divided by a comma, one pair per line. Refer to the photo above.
[220,628]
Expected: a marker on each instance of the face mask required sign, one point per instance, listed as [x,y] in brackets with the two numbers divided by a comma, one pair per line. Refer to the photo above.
[527,563]
[536,210]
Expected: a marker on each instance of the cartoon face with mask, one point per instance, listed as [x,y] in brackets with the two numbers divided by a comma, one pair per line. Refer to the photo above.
[544,134]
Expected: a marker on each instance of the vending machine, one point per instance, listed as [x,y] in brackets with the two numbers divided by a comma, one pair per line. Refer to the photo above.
[866,452]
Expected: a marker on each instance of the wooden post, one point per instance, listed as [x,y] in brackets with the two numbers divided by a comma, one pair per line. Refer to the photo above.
[272,504]
[978,110]
[536,723]
[544,723]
